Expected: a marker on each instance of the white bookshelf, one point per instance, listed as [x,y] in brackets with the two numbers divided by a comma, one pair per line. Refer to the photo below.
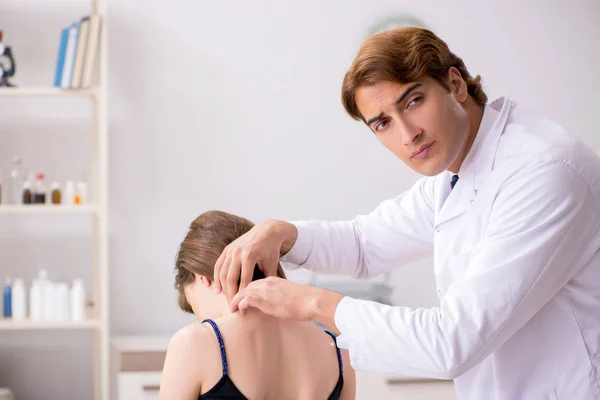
[92,94]
[49,209]
[26,324]
[98,321]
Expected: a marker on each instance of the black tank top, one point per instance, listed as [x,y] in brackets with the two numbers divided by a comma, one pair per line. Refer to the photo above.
[225,389]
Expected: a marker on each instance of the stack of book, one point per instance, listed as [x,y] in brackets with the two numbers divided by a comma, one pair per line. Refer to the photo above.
[78,53]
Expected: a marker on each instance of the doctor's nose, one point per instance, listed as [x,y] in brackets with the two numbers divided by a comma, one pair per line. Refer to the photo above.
[409,134]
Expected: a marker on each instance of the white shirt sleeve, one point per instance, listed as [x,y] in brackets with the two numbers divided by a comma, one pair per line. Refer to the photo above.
[397,232]
[531,248]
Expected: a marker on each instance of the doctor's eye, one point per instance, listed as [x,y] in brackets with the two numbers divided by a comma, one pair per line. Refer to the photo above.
[380,126]
[414,101]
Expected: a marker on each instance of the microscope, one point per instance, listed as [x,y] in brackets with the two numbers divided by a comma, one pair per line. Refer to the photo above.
[7,64]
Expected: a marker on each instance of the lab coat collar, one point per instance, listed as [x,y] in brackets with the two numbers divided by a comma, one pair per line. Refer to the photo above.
[497,114]
[478,163]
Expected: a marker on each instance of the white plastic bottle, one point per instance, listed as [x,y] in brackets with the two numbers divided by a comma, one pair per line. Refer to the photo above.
[81,191]
[19,299]
[46,296]
[35,301]
[62,302]
[69,193]
[49,301]
[7,298]
[77,300]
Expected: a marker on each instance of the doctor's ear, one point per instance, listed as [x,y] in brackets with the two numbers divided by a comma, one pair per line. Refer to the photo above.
[457,85]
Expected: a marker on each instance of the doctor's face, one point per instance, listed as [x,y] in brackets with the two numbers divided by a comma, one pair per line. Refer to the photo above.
[421,122]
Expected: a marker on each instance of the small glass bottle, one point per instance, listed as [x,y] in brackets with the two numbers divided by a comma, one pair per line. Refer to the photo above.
[27,193]
[40,190]
[55,193]
[16,181]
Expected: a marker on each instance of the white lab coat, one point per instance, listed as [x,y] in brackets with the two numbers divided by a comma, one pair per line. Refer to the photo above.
[517,267]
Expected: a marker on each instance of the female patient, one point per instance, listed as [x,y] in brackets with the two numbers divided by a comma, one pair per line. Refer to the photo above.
[255,356]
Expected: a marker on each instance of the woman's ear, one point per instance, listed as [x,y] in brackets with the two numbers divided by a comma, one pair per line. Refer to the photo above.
[203,280]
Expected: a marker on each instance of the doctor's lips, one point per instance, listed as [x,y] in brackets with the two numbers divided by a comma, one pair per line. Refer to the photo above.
[422,151]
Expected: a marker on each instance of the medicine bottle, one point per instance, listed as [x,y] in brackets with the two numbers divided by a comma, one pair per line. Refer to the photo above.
[40,190]
[27,193]
[55,193]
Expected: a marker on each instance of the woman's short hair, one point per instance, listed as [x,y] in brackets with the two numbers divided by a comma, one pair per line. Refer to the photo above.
[404,55]
[206,239]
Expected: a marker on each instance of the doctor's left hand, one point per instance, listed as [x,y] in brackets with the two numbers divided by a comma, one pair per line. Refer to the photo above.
[277,297]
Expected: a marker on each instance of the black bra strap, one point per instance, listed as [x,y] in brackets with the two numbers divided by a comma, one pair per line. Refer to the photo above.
[339,352]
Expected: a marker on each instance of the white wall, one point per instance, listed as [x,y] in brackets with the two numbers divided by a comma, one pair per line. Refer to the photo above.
[237,107]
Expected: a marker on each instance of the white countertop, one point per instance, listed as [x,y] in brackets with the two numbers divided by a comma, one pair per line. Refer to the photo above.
[140,342]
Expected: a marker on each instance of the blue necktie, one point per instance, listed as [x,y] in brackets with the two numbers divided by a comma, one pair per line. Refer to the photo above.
[453,181]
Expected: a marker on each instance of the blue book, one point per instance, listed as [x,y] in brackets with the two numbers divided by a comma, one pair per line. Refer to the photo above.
[62,48]
[69,59]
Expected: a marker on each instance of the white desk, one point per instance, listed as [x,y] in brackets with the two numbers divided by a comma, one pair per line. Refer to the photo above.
[137,363]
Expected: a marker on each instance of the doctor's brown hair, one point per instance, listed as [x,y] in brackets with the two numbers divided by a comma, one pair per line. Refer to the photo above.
[404,55]
[206,239]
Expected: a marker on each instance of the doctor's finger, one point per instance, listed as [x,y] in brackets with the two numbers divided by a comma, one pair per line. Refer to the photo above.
[251,301]
[248,265]
[252,290]
[223,273]
[218,268]
[233,277]
[235,301]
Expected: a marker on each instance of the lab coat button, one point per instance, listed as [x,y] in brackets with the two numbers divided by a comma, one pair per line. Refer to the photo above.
[437,229]
[439,293]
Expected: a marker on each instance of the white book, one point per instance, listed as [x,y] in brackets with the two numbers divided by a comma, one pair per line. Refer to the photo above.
[65,82]
[92,48]
[84,29]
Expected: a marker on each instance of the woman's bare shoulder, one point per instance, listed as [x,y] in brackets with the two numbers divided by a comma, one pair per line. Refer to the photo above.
[185,362]
[192,342]
[194,336]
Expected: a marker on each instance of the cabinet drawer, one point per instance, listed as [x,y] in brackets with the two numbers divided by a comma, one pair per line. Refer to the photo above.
[371,385]
[139,385]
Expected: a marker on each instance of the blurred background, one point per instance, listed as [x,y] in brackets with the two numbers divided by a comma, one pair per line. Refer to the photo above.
[236,106]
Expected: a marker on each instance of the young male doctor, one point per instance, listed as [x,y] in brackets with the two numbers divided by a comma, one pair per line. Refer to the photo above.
[509,209]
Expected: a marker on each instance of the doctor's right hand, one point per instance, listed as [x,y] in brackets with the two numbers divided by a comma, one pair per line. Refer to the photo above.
[262,245]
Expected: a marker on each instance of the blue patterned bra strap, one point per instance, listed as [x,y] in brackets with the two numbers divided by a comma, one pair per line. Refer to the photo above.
[221,345]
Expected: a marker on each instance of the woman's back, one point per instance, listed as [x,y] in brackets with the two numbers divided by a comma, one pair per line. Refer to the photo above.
[266,358]
[254,356]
